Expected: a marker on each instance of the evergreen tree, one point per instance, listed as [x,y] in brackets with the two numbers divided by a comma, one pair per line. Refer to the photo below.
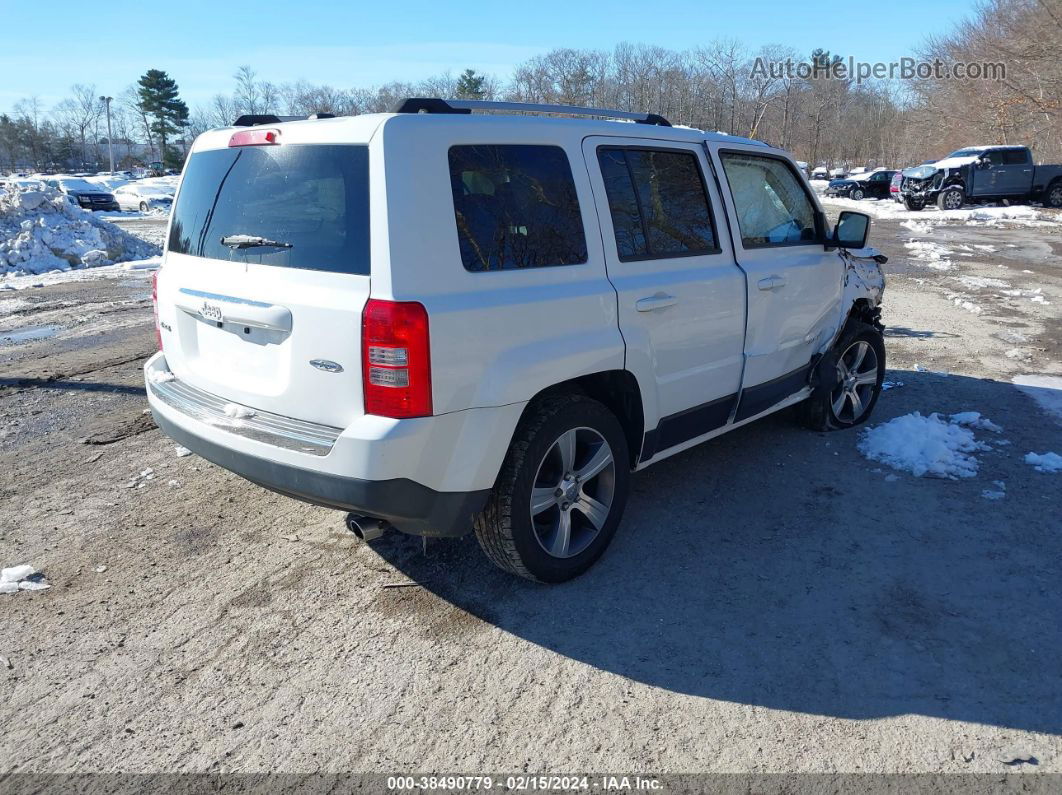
[470,85]
[168,113]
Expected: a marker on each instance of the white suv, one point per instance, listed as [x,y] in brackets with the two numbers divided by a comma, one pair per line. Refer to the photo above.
[440,321]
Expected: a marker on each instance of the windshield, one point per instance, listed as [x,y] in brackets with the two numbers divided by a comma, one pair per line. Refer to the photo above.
[966,153]
[310,200]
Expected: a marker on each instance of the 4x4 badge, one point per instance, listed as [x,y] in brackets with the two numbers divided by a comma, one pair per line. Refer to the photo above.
[327,366]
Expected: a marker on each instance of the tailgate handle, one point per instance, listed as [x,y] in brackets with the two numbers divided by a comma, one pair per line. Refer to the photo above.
[216,308]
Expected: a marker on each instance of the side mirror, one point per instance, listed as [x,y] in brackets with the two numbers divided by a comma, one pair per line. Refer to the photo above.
[851,230]
[984,163]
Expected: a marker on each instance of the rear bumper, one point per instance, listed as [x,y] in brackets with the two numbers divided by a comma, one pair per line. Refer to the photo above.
[426,476]
[409,506]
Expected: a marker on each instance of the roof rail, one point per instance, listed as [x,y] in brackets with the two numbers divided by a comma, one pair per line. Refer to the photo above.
[254,119]
[436,105]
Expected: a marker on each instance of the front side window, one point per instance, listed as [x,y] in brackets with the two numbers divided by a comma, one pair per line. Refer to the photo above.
[772,207]
[658,203]
[515,207]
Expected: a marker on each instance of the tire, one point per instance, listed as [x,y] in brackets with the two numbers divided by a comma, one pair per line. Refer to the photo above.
[830,406]
[857,194]
[528,539]
[143,207]
[1053,195]
[912,204]
[951,199]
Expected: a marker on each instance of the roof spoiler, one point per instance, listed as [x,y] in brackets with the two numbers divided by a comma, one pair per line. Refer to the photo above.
[254,119]
[436,105]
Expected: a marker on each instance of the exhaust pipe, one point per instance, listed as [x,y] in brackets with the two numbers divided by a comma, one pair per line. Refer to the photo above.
[365,527]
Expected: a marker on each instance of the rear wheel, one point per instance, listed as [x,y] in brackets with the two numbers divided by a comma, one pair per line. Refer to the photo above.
[951,199]
[850,377]
[1053,197]
[561,491]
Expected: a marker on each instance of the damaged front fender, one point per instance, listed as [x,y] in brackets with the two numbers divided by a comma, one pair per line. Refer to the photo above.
[863,289]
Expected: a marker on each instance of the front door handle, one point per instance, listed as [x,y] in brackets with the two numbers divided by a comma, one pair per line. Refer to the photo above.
[654,302]
[771,283]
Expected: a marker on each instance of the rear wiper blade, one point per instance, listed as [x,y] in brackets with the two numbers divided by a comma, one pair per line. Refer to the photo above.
[252,241]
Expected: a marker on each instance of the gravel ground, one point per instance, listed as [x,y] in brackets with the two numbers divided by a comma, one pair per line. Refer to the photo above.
[773,602]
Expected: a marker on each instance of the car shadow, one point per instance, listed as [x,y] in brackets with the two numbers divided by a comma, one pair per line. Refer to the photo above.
[778,567]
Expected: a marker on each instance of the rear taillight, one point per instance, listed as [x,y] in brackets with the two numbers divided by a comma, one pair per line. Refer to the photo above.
[155,306]
[395,359]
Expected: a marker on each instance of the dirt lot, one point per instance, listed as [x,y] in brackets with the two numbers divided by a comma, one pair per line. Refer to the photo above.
[773,601]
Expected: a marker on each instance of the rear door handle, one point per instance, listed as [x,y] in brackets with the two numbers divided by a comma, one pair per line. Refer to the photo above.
[771,282]
[654,302]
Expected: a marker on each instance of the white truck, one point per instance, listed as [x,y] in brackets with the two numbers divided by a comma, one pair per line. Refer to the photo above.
[441,321]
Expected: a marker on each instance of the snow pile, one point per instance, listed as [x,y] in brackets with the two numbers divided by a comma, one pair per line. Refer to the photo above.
[1044,462]
[970,216]
[40,230]
[21,578]
[925,446]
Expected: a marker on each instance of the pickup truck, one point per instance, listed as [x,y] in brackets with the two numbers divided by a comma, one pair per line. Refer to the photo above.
[980,174]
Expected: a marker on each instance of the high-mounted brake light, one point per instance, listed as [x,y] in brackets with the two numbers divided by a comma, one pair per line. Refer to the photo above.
[396,359]
[254,138]
[155,306]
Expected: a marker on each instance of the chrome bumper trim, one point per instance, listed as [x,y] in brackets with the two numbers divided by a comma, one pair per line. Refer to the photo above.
[274,429]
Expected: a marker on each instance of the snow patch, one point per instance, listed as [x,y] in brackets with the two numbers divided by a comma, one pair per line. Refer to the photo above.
[21,578]
[932,254]
[1044,462]
[982,282]
[924,446]
[236,411]
[997,493]
[1046,390]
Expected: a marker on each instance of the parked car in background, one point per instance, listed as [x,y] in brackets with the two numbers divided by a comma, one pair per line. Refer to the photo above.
[83,194]
[894,186]
[838,173]
[821,172]
[144,197]
[980,174]
[864,185]
[541,336]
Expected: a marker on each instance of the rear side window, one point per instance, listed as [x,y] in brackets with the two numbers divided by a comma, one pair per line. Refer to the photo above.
[772,206]
[658,203]
[515,207]
[312,200]
[1015,157]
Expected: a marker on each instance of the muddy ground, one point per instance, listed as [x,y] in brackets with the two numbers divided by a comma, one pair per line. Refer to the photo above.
[772,602]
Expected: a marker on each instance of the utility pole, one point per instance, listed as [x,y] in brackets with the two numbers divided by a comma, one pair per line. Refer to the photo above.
[110,143]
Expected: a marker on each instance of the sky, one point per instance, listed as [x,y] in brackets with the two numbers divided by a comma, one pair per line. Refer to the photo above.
[48,46]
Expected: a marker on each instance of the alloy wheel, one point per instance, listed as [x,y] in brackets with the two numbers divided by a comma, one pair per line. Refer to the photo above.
[573,492]
[953,200]
[1054,199]
[857,372]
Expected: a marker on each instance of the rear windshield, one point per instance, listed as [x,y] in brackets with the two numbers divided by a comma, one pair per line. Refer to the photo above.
[308,206]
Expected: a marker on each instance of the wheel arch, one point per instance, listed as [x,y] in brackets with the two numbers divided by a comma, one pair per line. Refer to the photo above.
[617,390]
